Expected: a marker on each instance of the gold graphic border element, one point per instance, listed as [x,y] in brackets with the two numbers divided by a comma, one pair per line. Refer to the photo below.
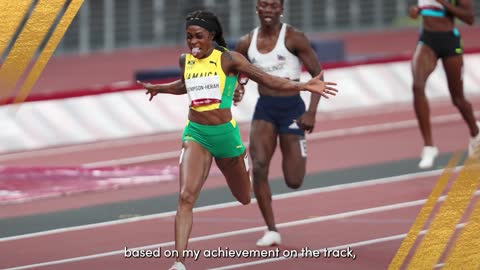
[11,15]
[49,49]
[443,225]
[465,253]
[451,211]
[34,32]
[424,214]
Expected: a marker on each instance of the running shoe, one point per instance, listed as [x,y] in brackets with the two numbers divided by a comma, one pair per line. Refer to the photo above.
[177,266]
[429,153]
[474,145]
[270,238]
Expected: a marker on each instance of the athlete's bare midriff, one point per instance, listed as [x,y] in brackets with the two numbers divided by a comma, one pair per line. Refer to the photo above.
[439,24]
[213,117]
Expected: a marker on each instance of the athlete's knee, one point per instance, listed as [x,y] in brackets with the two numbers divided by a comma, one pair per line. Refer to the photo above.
[294,185]
[294,182]
[244,199]
[187,198]
[260,166]
[459,102]
[418,89]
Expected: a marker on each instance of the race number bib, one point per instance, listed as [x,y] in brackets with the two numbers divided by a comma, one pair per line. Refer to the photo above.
[303,147]
[203,90]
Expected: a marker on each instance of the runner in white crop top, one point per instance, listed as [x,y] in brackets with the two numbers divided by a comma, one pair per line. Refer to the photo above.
[279,61]
[279,49]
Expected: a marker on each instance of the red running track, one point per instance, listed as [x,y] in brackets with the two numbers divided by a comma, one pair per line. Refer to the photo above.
[339,141]
[371,217]
[342,217]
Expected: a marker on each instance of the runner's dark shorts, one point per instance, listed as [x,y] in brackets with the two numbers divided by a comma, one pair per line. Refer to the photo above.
[281,112]
[444,44]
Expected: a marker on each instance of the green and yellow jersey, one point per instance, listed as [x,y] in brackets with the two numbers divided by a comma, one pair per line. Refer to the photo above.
[208,87]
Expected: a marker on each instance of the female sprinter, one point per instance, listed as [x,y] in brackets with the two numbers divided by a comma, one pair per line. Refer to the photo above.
[439,39]
[209,78]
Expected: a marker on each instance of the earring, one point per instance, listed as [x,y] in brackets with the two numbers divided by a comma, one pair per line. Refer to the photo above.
[281,15]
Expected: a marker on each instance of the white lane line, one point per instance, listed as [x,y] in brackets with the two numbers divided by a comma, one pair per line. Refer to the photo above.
[233,233]
[345,246]
[174,136]
[328,134]
[442,119]
[385,180]
[149,138]
[365,211]
[133,160]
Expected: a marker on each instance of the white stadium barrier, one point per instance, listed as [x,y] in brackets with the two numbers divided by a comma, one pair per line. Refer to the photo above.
[41,124]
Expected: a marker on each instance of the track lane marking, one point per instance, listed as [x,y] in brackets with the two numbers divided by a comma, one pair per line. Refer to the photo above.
[293,194]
